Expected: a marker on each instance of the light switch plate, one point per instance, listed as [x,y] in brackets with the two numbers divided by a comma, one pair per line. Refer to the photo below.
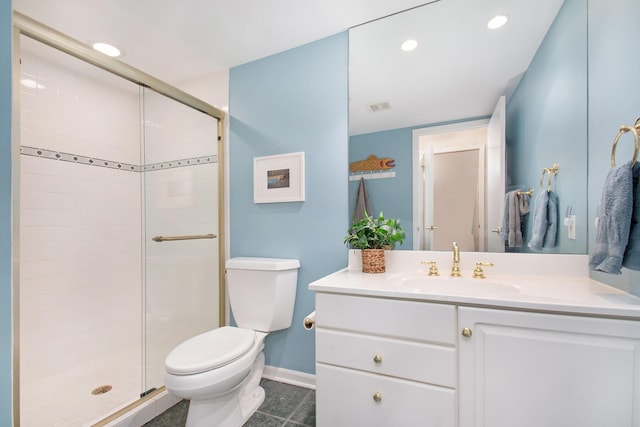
[571,227]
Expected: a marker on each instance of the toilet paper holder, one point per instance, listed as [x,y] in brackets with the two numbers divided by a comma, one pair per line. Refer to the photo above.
[309,320]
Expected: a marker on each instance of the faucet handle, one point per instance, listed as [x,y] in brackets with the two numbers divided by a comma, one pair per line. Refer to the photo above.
[433,270]
[478,273]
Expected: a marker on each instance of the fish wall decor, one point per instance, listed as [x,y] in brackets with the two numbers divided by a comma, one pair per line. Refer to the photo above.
[372,163]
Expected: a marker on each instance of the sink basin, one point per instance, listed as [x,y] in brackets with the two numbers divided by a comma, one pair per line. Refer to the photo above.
[446,285]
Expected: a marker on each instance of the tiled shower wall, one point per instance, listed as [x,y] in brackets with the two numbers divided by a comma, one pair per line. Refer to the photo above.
[80,225]
[80,237]
[181,298]
[80,265]
[83,241]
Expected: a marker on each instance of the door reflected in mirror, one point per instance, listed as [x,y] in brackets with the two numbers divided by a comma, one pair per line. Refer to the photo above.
[453,166]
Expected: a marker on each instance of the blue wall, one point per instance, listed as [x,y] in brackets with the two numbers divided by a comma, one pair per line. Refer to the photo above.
[6,28]
[293,101]
[547,122]
[392,196]
[613,101]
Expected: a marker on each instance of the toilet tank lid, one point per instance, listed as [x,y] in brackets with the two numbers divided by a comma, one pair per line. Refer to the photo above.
[254,263]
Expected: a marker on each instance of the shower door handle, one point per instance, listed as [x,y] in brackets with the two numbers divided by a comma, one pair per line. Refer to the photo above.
[191,237]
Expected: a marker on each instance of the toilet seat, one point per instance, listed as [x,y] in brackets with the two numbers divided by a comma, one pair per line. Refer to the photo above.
[210,350]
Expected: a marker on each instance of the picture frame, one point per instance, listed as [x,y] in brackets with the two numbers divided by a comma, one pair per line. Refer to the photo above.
[279,178]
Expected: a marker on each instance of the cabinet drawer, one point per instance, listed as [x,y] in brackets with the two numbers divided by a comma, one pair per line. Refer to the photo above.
[346,398]
[410,360]
[388,317]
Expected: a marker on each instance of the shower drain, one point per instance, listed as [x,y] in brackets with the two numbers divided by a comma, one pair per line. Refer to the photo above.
[101,390]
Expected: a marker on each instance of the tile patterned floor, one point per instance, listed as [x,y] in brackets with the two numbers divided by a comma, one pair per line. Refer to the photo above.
[284,405]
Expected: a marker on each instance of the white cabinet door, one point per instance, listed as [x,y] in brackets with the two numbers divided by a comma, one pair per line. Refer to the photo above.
[527,369]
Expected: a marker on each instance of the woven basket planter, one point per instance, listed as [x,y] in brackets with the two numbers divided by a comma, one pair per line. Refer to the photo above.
[373,260]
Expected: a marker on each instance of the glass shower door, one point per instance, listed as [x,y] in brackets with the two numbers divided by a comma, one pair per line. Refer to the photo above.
[180,222]
[80,253]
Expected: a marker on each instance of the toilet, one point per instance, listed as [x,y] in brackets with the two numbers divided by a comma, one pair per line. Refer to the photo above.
[219,371]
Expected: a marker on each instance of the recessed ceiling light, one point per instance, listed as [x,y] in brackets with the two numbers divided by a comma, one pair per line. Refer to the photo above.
[409,45]
[497,21]
[107,49]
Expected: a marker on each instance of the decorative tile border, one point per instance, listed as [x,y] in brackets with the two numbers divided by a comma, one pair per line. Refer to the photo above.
[92,161]
[194,161]
[76,158]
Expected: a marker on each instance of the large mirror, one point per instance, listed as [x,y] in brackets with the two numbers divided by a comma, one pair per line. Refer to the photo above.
[470,115]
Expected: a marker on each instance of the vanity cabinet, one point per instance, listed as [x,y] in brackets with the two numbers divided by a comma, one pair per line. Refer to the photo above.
[393,362]
[535,369]
[385,362]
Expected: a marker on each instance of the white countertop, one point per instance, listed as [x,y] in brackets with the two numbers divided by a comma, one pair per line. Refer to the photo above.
[557,283]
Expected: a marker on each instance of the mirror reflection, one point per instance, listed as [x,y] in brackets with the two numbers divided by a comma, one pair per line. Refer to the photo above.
[471,114]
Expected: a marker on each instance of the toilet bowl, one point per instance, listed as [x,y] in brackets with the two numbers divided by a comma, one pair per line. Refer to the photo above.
[219,371]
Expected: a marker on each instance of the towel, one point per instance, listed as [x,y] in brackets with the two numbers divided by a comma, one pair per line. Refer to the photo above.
[544,228]
[551,235]
[614,220]
[631,258]
[362,203]
[515,207]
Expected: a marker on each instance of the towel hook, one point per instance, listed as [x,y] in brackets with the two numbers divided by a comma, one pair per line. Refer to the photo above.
[550,172]
[624,129]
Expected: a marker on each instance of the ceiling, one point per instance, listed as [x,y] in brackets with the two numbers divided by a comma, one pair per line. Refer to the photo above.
[457,70]
[177,40]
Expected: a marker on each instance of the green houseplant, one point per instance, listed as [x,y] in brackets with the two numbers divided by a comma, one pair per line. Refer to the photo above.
[372,236]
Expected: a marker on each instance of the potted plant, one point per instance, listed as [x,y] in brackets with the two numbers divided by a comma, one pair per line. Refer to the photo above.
[372,236]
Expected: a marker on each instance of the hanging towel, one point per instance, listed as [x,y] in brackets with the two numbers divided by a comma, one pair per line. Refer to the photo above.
[540,221]
[362,203]
[515,207]
[614,220]
[551,234]
[504,232]
[631,258]
[544,228]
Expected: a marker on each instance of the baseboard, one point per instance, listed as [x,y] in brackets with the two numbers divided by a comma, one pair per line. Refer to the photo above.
[297,378]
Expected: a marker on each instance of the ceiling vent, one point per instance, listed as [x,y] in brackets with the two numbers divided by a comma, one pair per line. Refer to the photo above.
[379,106]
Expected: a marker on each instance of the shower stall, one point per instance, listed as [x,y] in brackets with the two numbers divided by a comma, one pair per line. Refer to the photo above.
[119,229]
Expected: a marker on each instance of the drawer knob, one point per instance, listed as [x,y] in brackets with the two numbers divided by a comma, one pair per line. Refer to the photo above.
[377,359]
[466,332]
[377,397]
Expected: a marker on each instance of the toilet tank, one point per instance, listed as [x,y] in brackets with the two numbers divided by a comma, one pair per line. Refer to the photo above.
[262,292]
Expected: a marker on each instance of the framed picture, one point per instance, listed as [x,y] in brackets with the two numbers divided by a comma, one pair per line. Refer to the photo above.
[278,178]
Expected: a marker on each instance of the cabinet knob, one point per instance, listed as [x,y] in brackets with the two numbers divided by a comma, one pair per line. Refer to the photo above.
[377,397]
[377,359]
[466,332]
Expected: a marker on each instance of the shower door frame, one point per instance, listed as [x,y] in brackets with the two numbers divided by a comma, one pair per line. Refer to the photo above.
[23,25]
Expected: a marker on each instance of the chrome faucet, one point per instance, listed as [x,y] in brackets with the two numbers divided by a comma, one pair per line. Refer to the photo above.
[455,270]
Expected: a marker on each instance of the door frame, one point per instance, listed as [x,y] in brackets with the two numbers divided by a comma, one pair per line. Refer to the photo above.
[418,167]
